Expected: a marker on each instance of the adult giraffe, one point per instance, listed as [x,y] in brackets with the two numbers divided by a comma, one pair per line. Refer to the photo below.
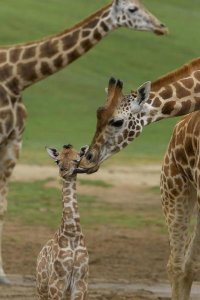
[122,119]
[24,64]
[180,191]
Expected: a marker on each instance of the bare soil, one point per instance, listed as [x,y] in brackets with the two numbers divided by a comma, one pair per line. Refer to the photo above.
[124,263]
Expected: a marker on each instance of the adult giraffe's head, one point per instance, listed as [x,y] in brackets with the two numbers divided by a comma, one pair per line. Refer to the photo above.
[132,14]
[119,121]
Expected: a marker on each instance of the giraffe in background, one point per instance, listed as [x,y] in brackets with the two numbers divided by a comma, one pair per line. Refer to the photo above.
[24,64]
[62,265]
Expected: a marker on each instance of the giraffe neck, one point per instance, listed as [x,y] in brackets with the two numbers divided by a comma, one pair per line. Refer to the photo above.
[176,98]
[70,224]
[23,65]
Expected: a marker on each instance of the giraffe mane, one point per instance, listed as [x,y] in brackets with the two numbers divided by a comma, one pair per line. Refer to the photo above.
[86,19]
[177,74]
[77,25]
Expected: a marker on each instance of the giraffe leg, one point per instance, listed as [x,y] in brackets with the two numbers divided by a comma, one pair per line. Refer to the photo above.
[9,154]
[79,290]
[80,284]
[3,208]
[42,279]
[80,280]
[43,298]
[192,258]
[57,288]
[178,204]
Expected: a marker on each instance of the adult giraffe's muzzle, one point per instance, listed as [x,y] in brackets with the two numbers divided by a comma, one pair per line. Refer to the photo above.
[88,164]
[161,30]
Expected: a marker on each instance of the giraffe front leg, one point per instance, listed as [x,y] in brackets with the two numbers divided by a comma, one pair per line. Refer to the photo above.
[80,280]
[79,290]
[178,204]
[192,258]
[3,207]
[178,227]
[9,153]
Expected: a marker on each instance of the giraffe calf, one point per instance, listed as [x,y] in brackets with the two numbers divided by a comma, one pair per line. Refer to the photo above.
[62,264]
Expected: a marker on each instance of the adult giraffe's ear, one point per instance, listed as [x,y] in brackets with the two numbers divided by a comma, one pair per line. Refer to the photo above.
[53,153]
[143,92]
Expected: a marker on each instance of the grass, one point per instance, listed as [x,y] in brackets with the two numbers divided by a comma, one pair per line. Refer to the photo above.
[99,183]
[62,108]
[33,204]
[155,189]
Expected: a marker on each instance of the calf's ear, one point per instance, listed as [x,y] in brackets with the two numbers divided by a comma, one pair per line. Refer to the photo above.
[53,153]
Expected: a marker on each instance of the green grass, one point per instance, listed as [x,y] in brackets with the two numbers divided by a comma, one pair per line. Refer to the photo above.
[62,108]
[34,204]
[155,189]
[99,183]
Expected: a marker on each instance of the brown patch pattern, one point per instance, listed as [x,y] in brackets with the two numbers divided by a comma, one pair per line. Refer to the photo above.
[166,93]
[45,69]
[168,107]
[29,52]
[70,40]
[49,49]
[27,71]
[188,82]
[180,91]
[14,54]
[5,72]
[14,85]
[3,56]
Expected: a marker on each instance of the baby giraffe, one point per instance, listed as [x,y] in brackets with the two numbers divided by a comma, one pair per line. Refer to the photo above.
[62,265]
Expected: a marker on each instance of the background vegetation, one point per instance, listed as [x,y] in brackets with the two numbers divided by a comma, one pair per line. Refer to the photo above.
[62,108]
[38,203]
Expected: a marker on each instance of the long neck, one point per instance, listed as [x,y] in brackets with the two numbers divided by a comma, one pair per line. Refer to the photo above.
[70,224]
[28,63]
[178,97]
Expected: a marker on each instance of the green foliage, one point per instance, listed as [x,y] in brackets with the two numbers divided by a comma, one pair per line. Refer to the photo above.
[34,203]
[62,108]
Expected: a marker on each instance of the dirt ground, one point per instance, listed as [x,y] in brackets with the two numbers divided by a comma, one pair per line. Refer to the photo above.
[124,263]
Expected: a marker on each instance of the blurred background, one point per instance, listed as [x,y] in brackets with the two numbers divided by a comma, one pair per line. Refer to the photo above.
[62,108]
[120,205]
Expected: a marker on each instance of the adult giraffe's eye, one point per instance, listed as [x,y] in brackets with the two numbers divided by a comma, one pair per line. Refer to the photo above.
[133,10]
[117,123]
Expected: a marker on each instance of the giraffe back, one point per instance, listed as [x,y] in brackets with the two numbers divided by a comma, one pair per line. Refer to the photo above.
[183,151]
